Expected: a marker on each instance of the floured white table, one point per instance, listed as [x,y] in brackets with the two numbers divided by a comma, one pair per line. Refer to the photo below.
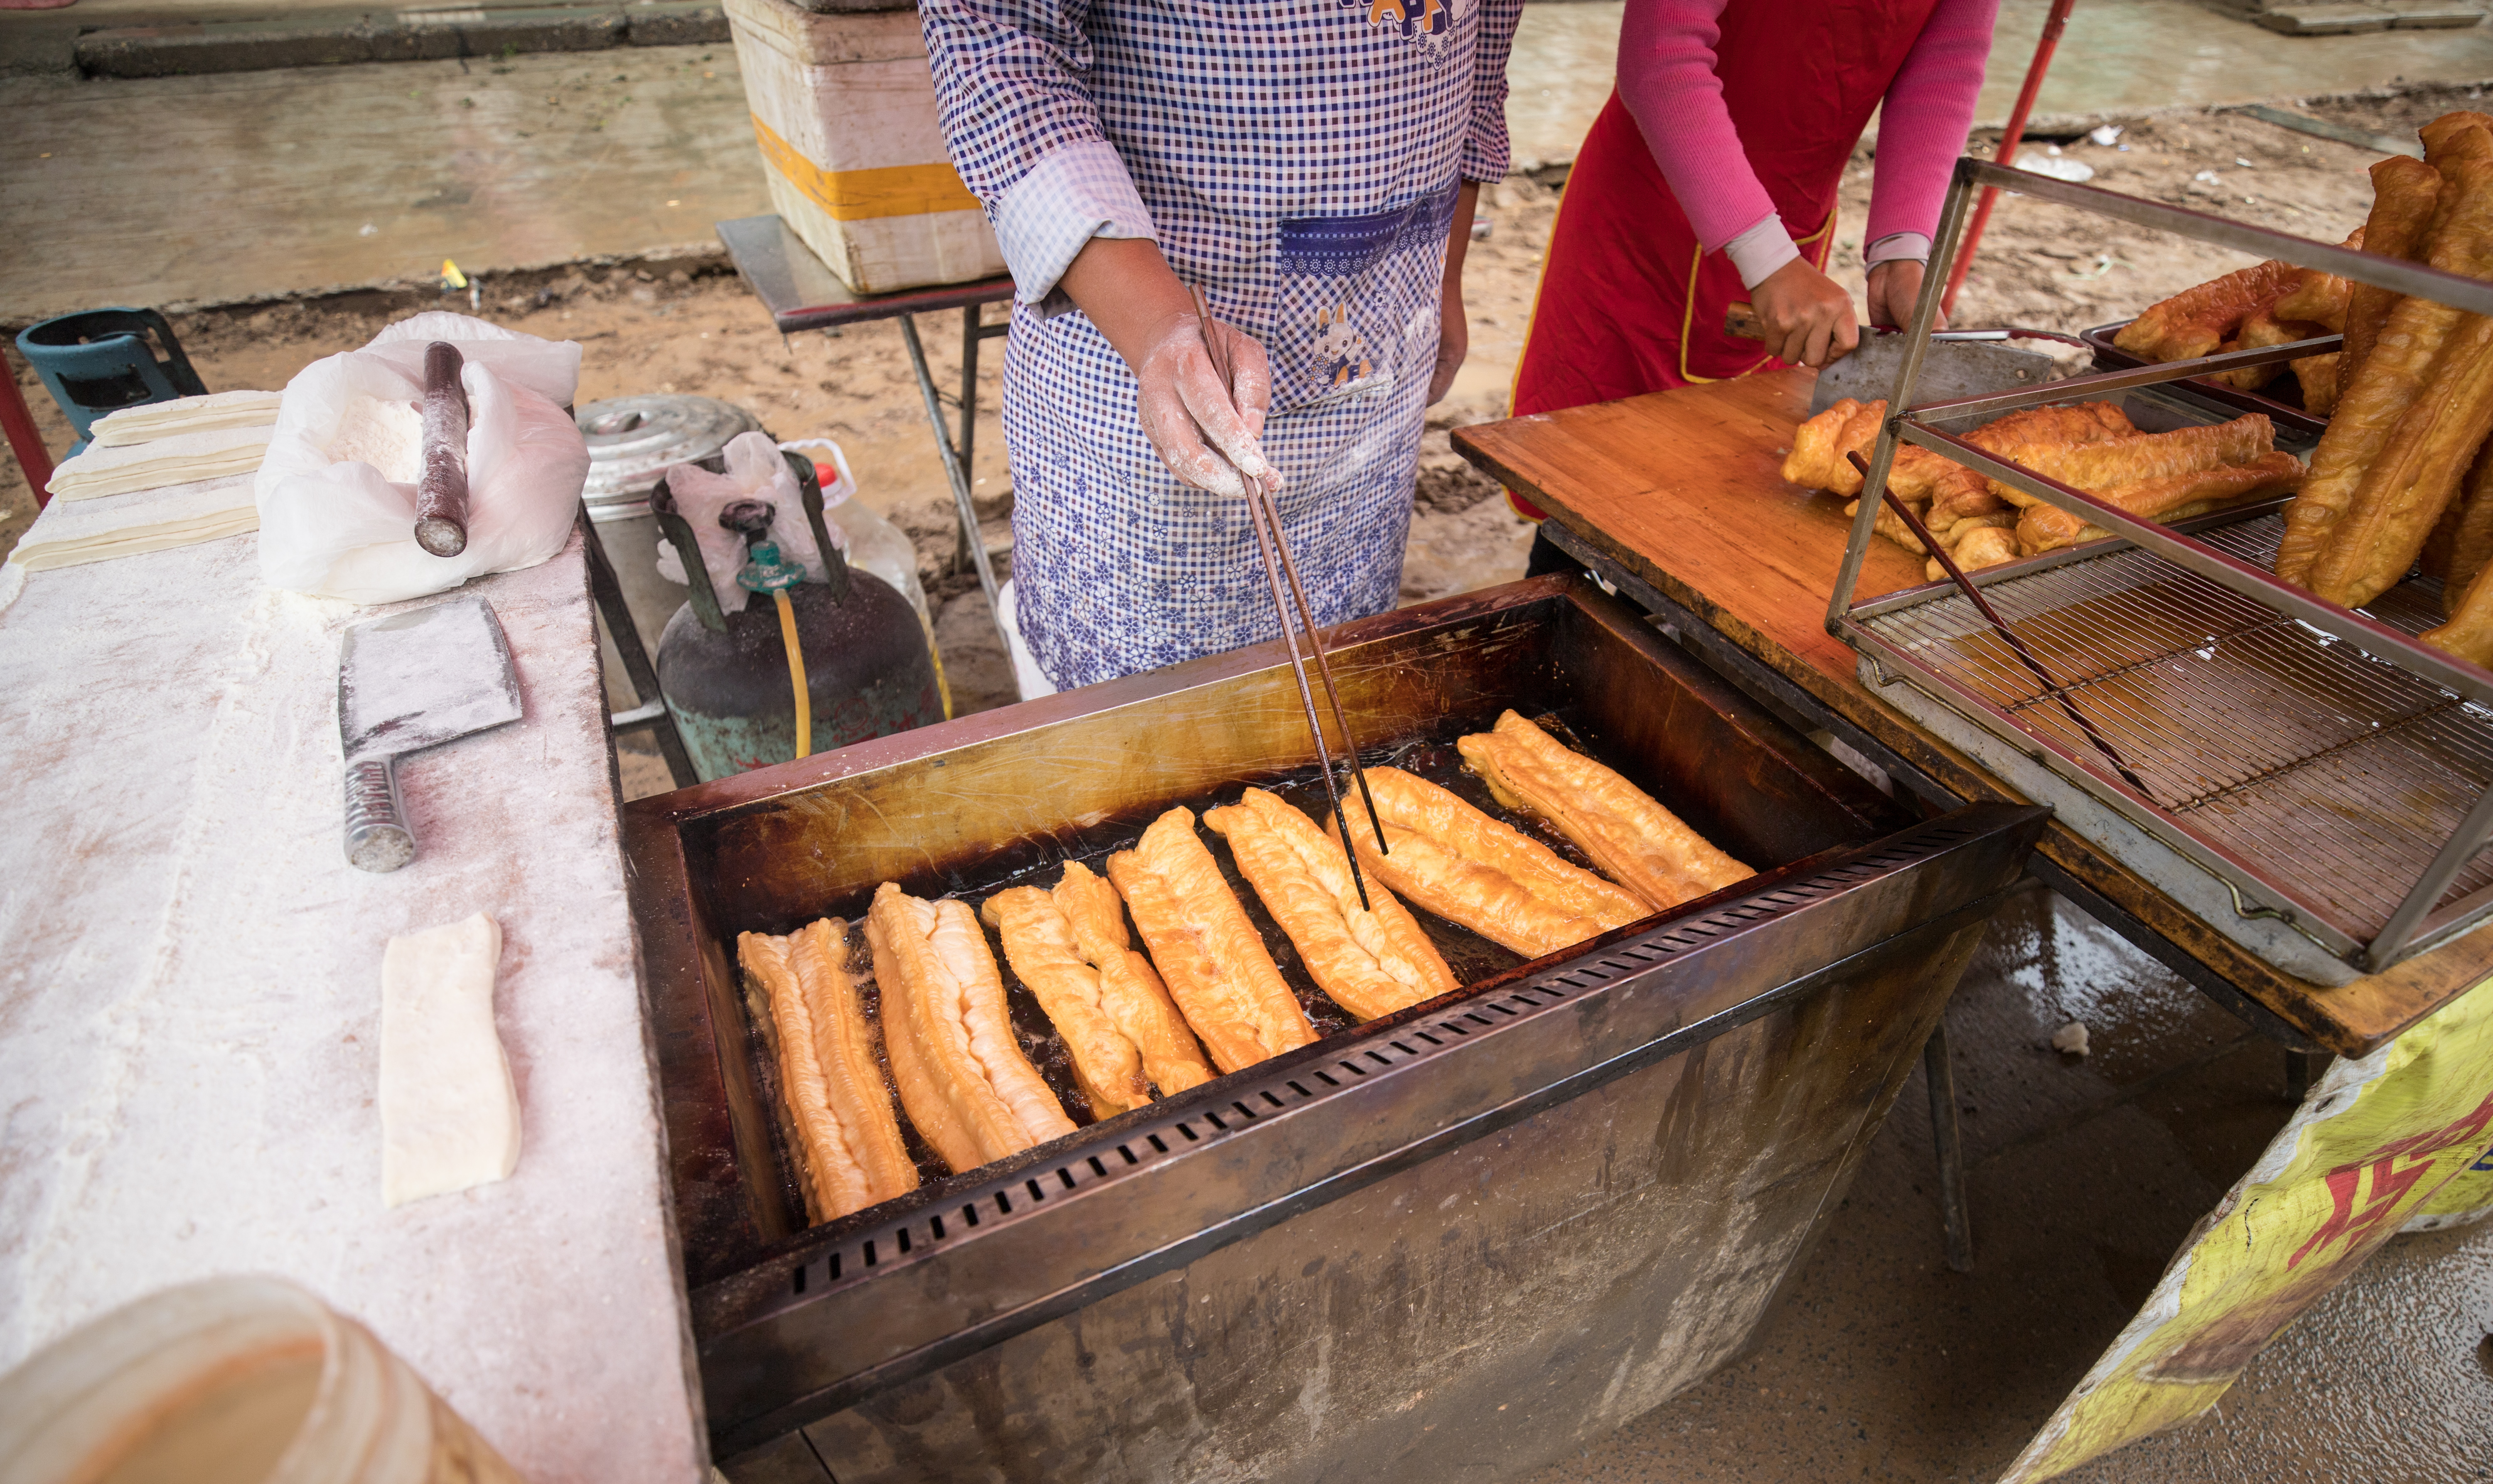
[190,1002]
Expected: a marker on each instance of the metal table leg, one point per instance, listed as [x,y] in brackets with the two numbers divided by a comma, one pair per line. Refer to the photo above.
[651,715]
[1954,1212]
[955,451]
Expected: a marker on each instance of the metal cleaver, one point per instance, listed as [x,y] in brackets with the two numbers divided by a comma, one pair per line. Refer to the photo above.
[406,683]
[1960,363]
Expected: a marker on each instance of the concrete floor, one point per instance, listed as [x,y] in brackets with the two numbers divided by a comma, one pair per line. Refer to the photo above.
[2085,1176]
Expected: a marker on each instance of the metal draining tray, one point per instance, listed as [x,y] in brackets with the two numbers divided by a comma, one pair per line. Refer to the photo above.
[2326,764]
[2270,750]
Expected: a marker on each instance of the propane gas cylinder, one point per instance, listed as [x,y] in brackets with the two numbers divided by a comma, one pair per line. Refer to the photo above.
[867,658]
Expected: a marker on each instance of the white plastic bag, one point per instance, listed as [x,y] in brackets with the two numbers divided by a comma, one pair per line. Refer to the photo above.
[340,529]
[755,471]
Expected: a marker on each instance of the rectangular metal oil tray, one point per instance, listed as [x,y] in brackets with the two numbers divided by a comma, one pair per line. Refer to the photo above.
[1654,1123]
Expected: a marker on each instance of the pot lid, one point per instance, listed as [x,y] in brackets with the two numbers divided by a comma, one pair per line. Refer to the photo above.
[633,440]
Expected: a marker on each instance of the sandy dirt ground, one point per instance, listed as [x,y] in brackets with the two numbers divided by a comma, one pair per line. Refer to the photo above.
[690,326]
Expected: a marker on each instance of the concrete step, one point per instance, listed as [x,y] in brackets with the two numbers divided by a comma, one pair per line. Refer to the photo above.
[2353,18]
[179,42]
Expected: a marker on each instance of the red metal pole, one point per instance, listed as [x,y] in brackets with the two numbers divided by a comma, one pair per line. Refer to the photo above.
[23,440]
[2008,142]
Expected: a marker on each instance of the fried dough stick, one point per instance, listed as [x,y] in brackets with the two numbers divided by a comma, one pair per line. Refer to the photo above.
[1371,961]
[2259,332]
[2172,497]
[2198,319]
[2382,455]
[1467,867]
[1953,493]
[2405,193]
[2095,467]
[1205,947]
[1114,1013]
[967,1086]
[848,1151]
[2470,529]
[1628,833]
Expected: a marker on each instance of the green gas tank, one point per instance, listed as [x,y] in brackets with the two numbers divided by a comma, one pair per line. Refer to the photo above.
[868,662]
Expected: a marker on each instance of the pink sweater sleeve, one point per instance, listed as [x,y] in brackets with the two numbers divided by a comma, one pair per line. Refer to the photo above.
[1666,81]
[1922,124]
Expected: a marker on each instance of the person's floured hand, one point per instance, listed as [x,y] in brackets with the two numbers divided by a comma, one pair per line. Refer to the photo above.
[1806,317]
[1203,428]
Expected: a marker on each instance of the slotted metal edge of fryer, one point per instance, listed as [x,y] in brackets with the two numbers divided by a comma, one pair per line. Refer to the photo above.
[1101,1155]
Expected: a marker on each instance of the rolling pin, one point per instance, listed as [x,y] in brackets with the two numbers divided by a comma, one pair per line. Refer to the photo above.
[441,488]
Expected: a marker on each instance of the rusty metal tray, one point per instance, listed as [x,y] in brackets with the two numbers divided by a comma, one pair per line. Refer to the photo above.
[850,1339]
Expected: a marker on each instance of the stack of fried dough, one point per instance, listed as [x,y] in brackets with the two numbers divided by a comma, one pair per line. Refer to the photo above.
[2402,474]
[2091,446]
[2266,303]
[1208,994]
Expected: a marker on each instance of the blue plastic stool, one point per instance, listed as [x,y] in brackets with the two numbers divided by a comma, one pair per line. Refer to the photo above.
[98,361]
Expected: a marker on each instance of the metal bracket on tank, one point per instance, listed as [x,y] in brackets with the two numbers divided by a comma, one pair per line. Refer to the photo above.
[678,533]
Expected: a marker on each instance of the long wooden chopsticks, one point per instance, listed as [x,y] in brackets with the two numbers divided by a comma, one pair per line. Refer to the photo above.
[1280,569]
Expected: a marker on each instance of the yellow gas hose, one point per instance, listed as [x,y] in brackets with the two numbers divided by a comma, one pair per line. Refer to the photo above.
[796,674]
[943,686]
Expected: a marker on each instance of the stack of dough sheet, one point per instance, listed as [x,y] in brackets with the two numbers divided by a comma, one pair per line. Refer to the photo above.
[1071,946]
[1467,867]
[68,533]
[1207,949]
[848,1151]
[1626,833]
[967,1088]
[1371,961]
[180,458]
[188,414]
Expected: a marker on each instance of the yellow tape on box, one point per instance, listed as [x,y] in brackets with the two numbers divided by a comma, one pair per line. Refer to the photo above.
[860,196]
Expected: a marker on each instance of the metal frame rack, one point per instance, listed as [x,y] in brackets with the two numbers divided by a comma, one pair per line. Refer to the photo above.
[2167,636]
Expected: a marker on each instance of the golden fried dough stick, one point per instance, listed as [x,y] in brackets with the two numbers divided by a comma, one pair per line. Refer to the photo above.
[1129,990]
[1891,526]
[2085,422]
[1467,867]
[2259,332]
[1984,546]
[2095,467]
[1372,960]
[2469,633]
[2403,495]
[849,1153]
[1628,834]
[2194,321]
[2405,193]
[2446,139]
[1040,945]
[1205,947]
[1859,433]
[2168,497]
[2320,298]
[969,1090]
[2470,520]
[2318,376]
[2371,421]
[1814,454]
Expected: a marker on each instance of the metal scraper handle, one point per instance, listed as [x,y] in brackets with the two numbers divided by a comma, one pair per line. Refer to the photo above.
[377,838]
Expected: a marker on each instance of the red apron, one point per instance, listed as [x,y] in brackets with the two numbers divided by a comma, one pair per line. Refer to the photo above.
[1630,301]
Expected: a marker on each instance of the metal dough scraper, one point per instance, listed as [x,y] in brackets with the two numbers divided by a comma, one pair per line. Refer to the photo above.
[1960,363]
[405,683]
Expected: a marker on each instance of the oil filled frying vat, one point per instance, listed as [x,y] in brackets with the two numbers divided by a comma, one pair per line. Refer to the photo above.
[1448,1244]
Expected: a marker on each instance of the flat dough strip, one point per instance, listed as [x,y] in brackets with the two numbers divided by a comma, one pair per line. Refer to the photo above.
[1371,961]
[1628,834]
[1469,869]
[185,414]
[963,1079]
[450,1114]
[1205,947]
[847,1138]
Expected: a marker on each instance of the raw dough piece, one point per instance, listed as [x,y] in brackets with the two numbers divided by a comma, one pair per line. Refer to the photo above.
[182,459]
[72,532]
[450,1116]
[186,414]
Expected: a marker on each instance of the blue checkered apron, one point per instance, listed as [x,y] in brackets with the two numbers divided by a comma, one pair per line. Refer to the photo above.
[1299,161]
